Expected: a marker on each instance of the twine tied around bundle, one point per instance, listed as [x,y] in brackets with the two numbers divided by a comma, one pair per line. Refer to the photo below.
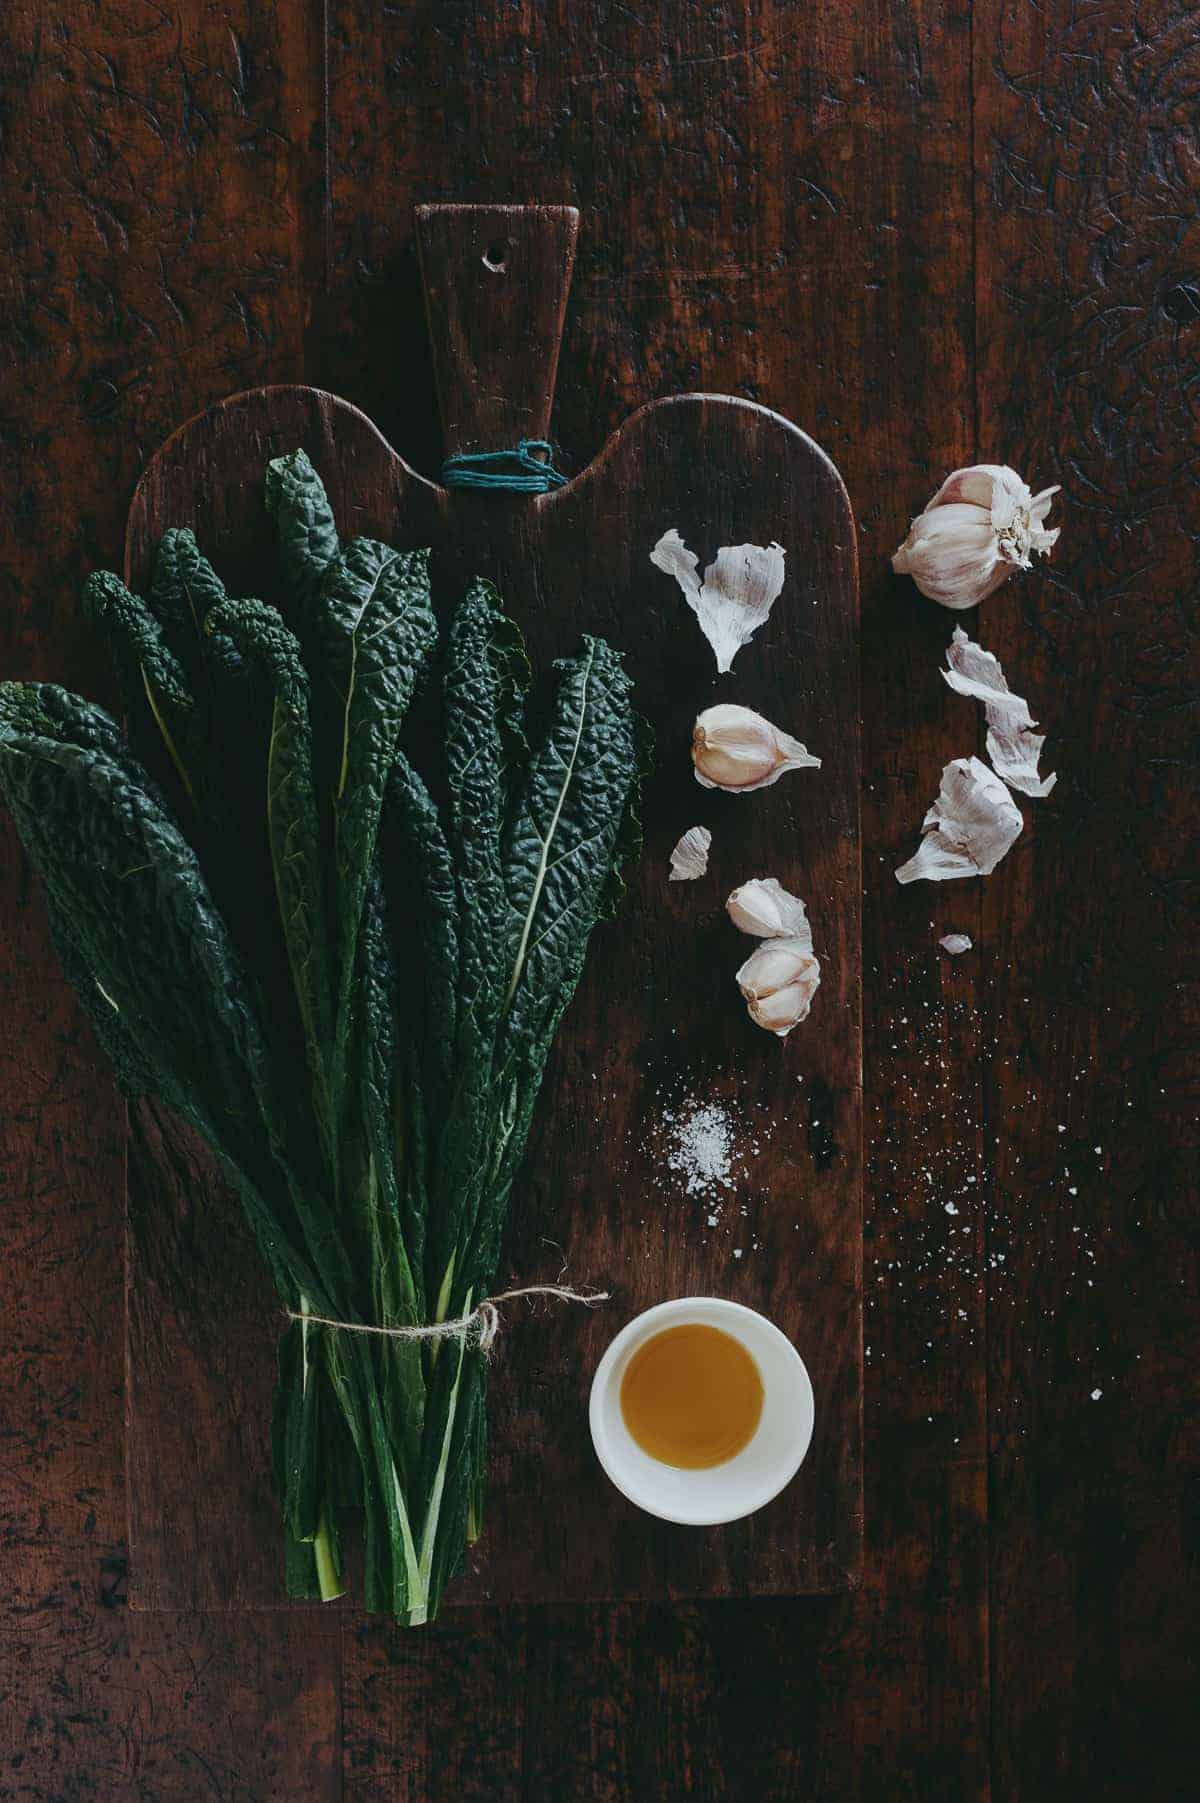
[528,469]
[481,1324]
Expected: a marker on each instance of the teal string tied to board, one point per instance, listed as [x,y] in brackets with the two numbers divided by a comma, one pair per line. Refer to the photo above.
[527,470]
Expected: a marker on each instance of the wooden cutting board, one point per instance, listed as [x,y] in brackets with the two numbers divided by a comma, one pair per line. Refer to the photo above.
[658,1021]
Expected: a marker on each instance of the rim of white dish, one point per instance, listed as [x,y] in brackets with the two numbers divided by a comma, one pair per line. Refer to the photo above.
[652,1320]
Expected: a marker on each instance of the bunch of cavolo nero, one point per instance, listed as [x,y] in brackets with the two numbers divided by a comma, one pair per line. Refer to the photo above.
[336,932]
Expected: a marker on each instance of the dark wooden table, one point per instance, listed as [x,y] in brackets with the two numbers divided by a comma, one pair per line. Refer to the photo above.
[924,232]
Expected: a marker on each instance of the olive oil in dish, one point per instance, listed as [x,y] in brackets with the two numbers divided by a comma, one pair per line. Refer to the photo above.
[692,1396]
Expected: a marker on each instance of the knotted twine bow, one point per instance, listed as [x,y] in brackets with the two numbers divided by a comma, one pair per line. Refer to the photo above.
[482,1324]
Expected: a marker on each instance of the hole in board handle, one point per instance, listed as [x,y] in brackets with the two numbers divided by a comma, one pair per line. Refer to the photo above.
[495,257]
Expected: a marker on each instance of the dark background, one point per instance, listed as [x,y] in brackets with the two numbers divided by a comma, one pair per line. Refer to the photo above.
[925,232]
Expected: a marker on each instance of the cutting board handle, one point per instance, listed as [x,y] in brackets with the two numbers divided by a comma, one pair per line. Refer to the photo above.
[496,282]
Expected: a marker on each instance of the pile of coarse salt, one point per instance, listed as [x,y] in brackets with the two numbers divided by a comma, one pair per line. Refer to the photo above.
[700,1148]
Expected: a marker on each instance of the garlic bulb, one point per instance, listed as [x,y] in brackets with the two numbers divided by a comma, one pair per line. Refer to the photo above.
[969,828]
[689,859]
[779,981]
[765,908]
[981,525]
[734,748]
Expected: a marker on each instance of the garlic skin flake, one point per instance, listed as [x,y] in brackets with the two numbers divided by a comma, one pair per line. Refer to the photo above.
[764,908]
[983,523]
[969,828]
[689,859]
[738,592]
[1012,744]
[779,980]
[734,748]
[956,943]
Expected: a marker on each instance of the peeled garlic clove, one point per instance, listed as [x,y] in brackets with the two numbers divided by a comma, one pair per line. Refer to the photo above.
[981,525]
[736,749]
[779,981]
[737,594]
[689,859]
[764,908]
[969,828]
[955,943]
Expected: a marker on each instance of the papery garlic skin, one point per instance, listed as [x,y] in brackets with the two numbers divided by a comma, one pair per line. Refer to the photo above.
[973,823]
[1012,744]
[689,859]
[734,748]
[983,523]
[764,908]
[779,981]
[737,594]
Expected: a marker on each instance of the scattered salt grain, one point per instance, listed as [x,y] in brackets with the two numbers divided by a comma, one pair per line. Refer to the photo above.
[700,1146]
[1096,1395]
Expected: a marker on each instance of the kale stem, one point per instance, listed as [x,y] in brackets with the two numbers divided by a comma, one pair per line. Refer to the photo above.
[329,1579]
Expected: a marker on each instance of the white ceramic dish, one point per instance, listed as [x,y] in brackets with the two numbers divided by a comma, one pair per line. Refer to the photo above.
[742,1484]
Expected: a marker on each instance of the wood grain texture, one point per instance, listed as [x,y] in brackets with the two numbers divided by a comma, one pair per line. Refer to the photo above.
[100,1705]
[1089,312]
[652,1027]
[778,203]
[496,281]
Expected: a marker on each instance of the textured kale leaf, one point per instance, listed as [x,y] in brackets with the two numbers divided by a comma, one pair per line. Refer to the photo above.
[289,805]
[308,539]
[313,888]
[373,631]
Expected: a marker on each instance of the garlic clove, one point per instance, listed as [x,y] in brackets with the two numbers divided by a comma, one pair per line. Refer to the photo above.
[779,980]
[973,823]
[785,1009]
[772,965]
[979,484]
[689,859]
[764,908]
[734,748]
[737,594]
[955,943]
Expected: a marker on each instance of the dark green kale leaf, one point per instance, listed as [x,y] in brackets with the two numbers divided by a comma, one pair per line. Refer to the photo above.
[373,633]
[154,685]
[289,806]
[308,539]
[143,926]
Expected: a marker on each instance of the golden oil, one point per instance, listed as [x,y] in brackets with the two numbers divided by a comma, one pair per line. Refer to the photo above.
[692,1396]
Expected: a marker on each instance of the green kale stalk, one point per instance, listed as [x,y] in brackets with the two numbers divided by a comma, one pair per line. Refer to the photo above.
[355,986]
